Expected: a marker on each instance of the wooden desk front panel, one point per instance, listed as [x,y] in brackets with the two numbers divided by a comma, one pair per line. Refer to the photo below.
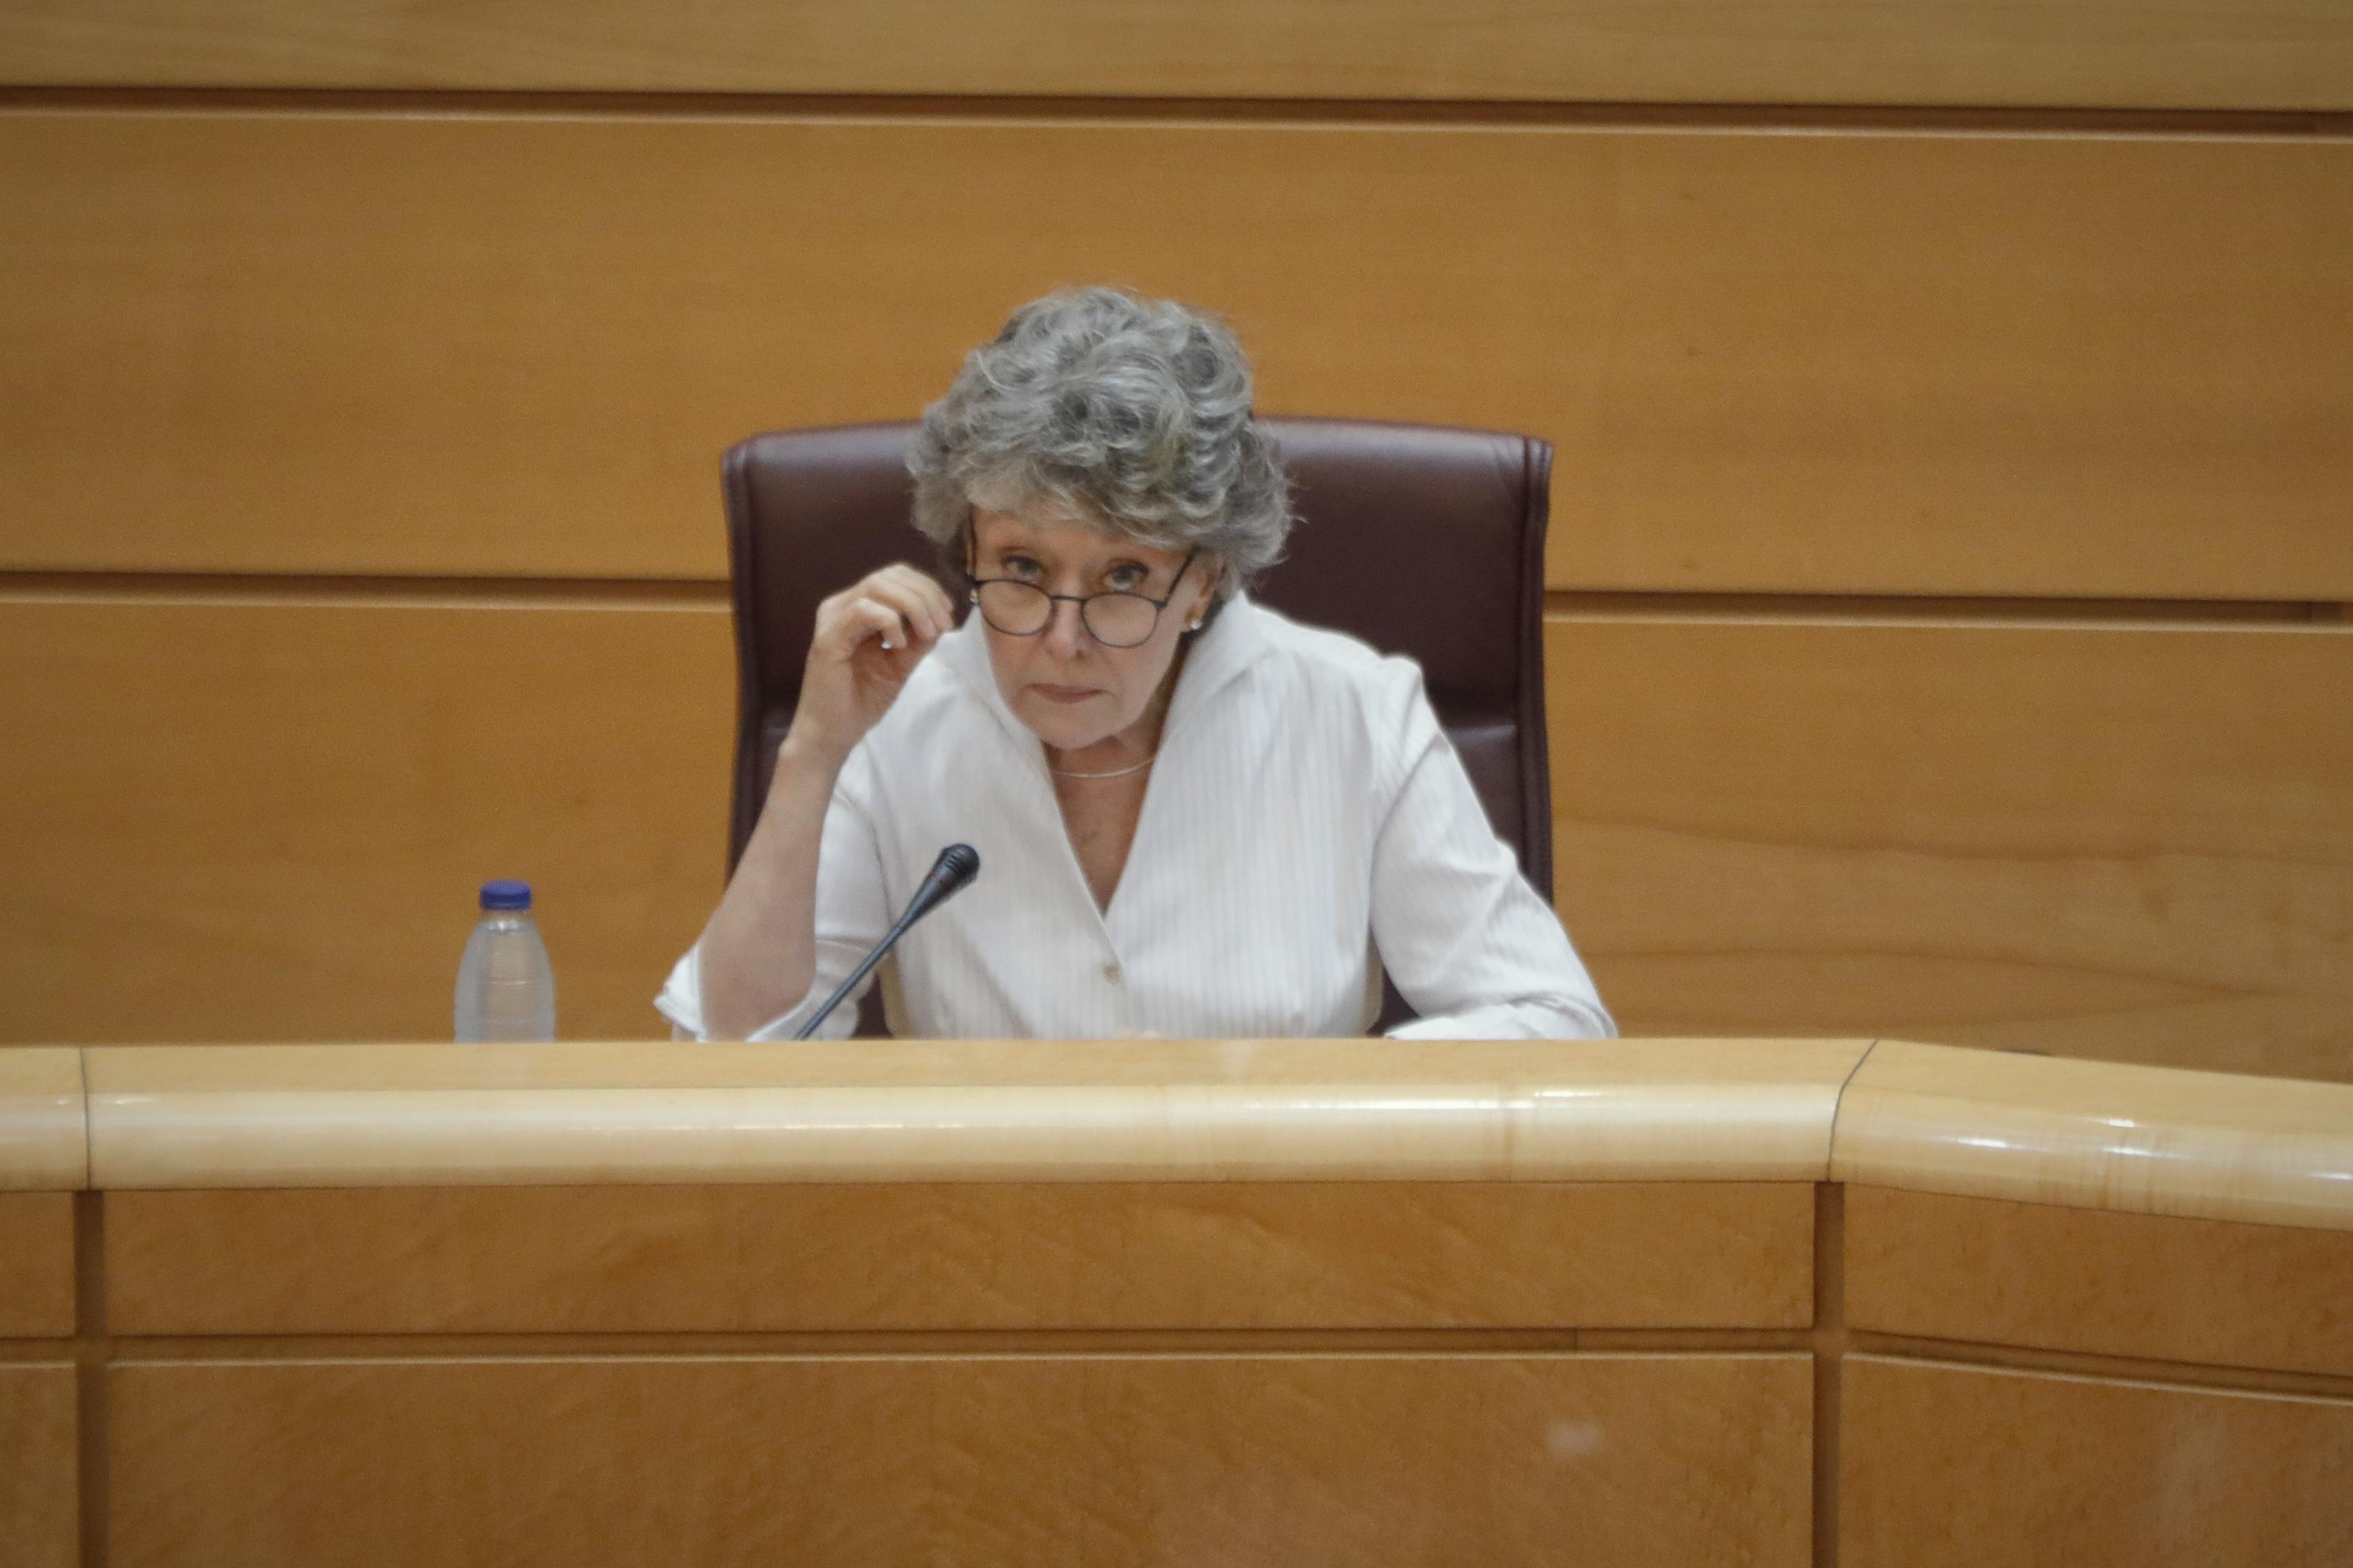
[36,1265]
[2046,1278]
[1025,1461]
[961,1256]
[1951,1467]
[39,1510]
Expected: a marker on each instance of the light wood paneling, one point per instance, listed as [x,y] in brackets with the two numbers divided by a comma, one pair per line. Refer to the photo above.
[2120,841]
[2222,54]
[426,344]
[2138,1140]
[1962,1467]
[1039,1110]
[44,1143]
[39,1510]
[37,1263]
[239,821]
[1030,1461]
[2109,1284]
[2117,841]
[960,1255]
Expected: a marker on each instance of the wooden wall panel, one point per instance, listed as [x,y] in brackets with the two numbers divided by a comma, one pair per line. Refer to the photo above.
[1034,1461]
[39,1509]
[2119,841]
[2222,54]
[2138,1285]
[2114,840]
[37,1263]
[466,342]
[266,820]
[960,1255]
[1946,1466]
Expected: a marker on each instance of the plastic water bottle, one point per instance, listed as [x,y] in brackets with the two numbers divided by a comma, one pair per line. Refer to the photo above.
[505,989]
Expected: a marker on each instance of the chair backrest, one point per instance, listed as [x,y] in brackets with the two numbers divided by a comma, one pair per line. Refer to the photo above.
[1419,540]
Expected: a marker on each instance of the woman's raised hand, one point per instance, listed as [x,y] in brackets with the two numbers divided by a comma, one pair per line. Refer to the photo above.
[868,640]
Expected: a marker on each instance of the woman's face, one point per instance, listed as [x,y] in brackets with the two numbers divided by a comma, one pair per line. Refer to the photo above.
[1071,689]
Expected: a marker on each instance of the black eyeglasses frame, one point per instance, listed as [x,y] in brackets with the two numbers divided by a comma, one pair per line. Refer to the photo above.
[1082,601]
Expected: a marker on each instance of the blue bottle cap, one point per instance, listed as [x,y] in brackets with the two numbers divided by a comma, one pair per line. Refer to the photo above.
[506,895]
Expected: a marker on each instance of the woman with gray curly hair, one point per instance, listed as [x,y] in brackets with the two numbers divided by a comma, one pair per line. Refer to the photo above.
[1198,818]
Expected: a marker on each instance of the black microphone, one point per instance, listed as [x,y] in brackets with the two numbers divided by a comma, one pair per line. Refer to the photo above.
[957,865]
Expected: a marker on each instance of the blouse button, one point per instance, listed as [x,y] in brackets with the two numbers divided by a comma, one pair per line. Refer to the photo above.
[1112,973]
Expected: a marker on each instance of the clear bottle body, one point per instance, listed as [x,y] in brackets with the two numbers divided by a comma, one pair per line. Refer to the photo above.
[506,991]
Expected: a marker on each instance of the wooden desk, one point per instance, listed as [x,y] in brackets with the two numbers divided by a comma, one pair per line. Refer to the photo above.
[1770,1302]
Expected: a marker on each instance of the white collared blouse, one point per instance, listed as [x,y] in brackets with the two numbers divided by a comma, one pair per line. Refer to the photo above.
[1306,825]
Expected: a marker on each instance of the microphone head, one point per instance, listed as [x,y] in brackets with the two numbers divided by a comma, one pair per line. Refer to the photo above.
[958,863]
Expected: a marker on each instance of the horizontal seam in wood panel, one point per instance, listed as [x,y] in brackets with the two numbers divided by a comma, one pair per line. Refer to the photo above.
[1908,609]
[2081,1363]
[368,590]
[2326,1223]
[503,592]
[2055,120]
[1693,1340]
[676,1177]
[969,1341]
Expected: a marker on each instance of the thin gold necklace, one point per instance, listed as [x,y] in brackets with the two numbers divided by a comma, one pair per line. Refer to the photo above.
[1115,772]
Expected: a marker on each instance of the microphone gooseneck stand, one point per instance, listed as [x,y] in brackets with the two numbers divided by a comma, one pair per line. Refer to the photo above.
[958,864]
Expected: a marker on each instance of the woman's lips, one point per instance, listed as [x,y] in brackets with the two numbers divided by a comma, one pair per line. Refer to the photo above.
[1065,693]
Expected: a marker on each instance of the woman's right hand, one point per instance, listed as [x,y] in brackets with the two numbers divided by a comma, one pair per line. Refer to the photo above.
[868,640]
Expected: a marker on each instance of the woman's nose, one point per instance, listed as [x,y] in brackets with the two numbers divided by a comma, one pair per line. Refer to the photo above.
[1065,631]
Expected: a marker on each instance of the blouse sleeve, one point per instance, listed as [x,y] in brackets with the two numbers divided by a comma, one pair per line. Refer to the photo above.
[852,913]
[1470,944]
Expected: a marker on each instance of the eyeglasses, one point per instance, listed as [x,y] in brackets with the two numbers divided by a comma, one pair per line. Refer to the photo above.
[1021,609]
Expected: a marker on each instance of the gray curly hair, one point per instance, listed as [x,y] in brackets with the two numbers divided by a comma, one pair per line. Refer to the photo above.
[1127,413]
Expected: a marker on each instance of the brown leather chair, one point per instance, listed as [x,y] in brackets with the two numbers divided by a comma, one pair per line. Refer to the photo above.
[1419,540]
